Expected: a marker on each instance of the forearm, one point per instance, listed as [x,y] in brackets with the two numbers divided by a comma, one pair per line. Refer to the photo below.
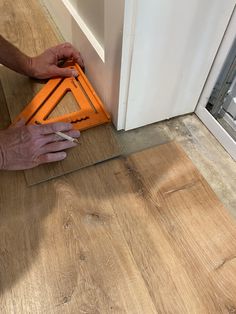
[13,58]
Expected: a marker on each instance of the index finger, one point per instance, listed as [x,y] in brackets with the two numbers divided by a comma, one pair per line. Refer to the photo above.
[67,51]
[54,127]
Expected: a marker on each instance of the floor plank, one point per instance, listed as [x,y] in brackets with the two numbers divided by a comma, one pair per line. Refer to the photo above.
[96,145]
[176,228]
[139,234]
[50,264]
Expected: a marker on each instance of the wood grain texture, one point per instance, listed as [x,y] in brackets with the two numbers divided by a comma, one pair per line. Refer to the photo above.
[182,228]
[140,234]
[56,258]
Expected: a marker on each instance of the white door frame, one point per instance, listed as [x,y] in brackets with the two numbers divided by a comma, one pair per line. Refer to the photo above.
[211,123]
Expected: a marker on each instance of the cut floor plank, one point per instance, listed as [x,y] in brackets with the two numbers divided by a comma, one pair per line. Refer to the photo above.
[138,234]
[96,145]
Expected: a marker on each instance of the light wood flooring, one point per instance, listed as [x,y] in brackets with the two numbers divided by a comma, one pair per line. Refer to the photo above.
[138,234]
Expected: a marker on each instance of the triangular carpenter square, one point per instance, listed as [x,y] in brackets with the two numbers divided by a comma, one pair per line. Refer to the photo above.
[90,111]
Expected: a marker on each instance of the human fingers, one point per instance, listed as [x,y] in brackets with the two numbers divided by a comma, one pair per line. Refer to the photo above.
[57,146]
[50,128]
[55,138]
[51,157]
[62,72]
[67,51]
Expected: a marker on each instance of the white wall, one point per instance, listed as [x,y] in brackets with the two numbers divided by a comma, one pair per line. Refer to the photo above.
[173,45]
[92,12]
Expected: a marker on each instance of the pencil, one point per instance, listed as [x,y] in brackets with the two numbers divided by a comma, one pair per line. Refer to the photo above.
[63,135]
[67,137]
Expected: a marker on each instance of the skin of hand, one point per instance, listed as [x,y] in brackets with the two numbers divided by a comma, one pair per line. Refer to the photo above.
[46,65]
[25,147]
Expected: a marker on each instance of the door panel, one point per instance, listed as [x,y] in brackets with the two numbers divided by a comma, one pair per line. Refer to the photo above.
[174,46]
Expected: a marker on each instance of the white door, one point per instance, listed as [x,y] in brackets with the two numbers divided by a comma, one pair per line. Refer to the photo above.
[168,50]
[95,27]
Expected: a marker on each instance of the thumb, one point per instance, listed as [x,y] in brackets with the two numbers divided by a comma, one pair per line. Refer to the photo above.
[63,72]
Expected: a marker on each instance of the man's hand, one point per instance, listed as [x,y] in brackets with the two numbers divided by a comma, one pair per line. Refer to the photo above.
[46,65]
[43,66]
[24,147]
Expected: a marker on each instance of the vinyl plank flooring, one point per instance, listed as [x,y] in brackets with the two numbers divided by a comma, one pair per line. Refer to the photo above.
[25,24]
[57,256]
[181,237]
[138,234]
